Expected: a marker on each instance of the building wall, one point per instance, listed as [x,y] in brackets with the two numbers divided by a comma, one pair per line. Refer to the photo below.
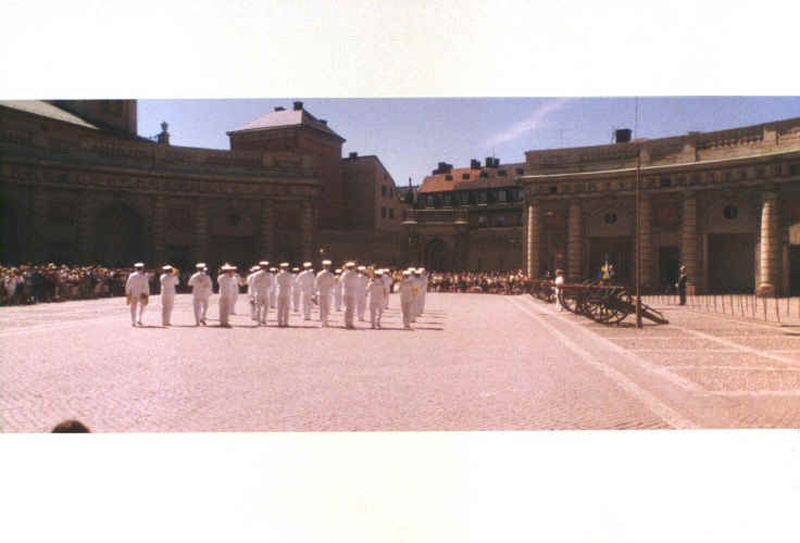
[721,203]
[73,194]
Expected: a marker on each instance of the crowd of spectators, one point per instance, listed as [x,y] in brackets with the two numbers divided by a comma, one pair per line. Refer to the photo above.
[30,284]
[494,282]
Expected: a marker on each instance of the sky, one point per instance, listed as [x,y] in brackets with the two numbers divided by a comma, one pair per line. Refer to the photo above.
[411,135]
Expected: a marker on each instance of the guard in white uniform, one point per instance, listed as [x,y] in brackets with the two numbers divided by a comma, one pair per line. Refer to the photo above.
[201,292]
[350,287]
[235,295]
[228,286]
[559,282]
[363,279]
[407,292]
[305,284]
[137,289]
[262,284]
[169,280]
[284,293]
[251,292]
[376,289]
[296,292]
[324,285]
[337,290]
[273,294]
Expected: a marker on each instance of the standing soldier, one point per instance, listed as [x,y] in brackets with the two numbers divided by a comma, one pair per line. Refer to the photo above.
[251,292]
[137,289]
[169,280]
[235,295]
[296,291]
[559,282]
[324,285]
[362,292]
[201,292]
[416,281]
[407,298]
[350,288]
[262,283]
[273,293]
[423,289]
[376,289]
[386,276]
[683,280]
[305,284]
[337,290]
[284,293]
[228,286]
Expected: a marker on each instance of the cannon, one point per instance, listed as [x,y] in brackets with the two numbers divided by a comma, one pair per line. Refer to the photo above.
[604,303]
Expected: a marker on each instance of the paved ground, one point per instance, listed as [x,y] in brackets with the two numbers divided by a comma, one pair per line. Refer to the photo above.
[474,362]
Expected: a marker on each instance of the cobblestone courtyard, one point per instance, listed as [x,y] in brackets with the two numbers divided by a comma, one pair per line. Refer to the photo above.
[474,362]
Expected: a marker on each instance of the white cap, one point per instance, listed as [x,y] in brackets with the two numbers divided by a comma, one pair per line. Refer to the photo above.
[350,265]
[362,268]
[378,272]
[200,265]
[264,263]
[255,268]
[166,268]
[139,265]
[306,264]
[283,265]
[228,267]
[326,262]
[406,273]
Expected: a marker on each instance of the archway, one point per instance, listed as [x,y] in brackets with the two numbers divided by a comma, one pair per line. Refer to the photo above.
[437,255]
[120,235]
[12,240]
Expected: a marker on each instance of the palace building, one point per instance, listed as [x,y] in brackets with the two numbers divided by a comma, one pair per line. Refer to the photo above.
[467,218]
[78,185]
[725,204]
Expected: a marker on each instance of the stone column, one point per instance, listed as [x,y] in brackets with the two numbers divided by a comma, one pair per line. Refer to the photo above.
[689,240]
[200,248]
[574,243]
[267,229]
[159,231]
[307,230]
[646,241]
[532,241]
[770,245]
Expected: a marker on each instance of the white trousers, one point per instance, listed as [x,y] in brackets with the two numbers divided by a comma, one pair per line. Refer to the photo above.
[283,310]
[167,304]
[375,313]
[324,308]
[200,309]
[349,309]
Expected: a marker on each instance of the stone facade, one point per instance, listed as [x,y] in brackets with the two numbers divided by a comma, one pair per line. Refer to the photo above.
[467,219]
[724,204]
[74,191]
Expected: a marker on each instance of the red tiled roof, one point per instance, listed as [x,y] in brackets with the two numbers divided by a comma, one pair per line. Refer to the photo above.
[439,182]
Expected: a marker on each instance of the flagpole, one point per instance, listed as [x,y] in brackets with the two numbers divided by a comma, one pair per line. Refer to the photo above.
[638,223]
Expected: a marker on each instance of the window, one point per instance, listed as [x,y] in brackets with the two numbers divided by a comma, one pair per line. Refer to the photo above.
[482,220]
[484,174]
[482,197]
[610,218]
[383,191]
[501,221]
[464,196]
[730,212]
[448,177]
[501,195]
[430,201]
[448,200]
[665,182]
[465,176]
[501,173]
[553,189]
[391,213]
[383,213]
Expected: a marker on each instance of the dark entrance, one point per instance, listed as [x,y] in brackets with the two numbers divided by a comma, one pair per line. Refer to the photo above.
[618,251]
[731,263]
[794,269]
[120,236]
[436,257]
[669,263]
[11,251]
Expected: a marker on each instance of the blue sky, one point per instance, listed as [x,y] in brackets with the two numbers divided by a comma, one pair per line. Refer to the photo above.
[411,135]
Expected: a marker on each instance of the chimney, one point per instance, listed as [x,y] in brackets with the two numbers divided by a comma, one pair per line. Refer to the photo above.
[298,106]
[279,108]
[623,135]
[354,154]
[474,164]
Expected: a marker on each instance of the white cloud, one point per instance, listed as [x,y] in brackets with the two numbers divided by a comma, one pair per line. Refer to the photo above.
[529,125]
